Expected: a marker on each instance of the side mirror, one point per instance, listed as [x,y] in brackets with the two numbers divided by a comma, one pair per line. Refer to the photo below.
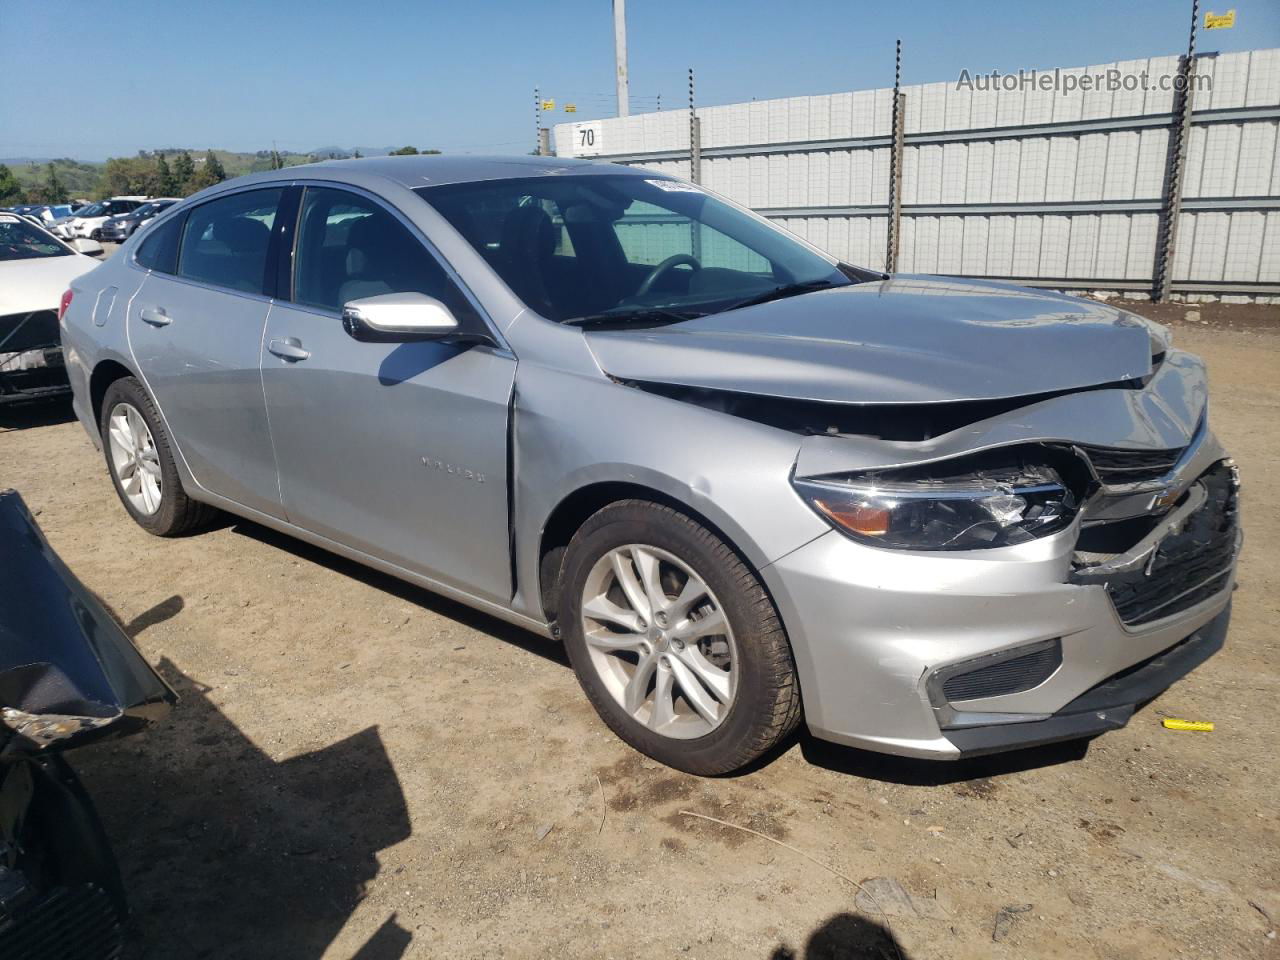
[90,248]
[398,317]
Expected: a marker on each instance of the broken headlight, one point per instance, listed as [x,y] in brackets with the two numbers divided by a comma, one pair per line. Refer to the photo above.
[944,510]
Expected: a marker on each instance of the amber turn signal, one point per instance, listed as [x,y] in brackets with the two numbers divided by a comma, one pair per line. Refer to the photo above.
[861,518]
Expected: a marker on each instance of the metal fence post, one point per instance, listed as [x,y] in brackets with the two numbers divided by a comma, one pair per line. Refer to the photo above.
[1175,167]
[695,137]
[695,168]
[537,122]
[895,166]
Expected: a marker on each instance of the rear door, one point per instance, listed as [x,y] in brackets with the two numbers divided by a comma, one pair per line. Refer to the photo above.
[196,327]
[396,449]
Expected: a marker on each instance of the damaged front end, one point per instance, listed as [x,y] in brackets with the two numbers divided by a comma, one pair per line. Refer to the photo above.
[1002,572]
[69,675]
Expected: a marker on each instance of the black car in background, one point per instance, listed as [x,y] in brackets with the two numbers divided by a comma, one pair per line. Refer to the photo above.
[119,229]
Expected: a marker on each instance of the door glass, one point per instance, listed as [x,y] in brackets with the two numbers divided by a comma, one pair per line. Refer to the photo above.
[350,248]
[225,241]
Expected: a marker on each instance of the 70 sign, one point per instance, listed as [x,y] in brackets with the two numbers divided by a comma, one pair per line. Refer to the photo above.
[587,139]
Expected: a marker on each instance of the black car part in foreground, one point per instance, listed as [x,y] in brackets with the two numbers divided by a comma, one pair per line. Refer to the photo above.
[69,675]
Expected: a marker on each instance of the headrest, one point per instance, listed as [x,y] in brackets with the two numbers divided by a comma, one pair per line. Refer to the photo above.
[528,232]
[242,234]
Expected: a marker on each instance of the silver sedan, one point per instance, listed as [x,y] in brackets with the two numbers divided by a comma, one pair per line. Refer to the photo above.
[744,483]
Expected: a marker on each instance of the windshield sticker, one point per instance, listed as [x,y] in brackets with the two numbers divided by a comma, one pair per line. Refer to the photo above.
[674,186]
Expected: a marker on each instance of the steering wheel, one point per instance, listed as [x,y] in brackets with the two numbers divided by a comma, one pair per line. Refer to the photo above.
[662,268]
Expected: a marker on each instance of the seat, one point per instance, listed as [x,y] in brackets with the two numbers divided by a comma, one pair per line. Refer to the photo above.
[237,255]
[373,262]
[527,246]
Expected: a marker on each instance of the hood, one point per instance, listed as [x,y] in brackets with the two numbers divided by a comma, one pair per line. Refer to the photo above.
[909,339]
[68,672]
[27,285]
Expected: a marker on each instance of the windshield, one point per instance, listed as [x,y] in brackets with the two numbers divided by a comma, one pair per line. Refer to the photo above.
[19,240]
[605,247]
[93,210]
[146,210]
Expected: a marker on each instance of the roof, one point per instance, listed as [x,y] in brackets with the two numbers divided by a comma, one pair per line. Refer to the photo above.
[431,170]
[409,172]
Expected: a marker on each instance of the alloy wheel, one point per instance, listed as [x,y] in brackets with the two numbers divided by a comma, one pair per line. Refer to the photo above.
[134,458]
[659,641]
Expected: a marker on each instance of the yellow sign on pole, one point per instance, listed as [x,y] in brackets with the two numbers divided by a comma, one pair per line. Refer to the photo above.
[570,108]
[548,104]
[1220,21]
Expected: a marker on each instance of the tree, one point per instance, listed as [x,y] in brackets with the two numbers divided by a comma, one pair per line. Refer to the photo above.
[166,182]
[213,167]
[54,191]
[356,155]
[184,169]
[405,152]
[10,189]
[129,175]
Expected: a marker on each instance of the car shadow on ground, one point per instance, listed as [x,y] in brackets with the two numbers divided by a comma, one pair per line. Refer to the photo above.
[35,413]
[846,936]
[229,852]
[830,756]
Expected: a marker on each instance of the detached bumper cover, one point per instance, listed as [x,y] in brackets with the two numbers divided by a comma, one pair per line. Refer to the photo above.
[1108,706]
[68,673]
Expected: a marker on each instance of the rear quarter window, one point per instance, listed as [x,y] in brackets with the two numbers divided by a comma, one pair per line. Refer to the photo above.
[159,251]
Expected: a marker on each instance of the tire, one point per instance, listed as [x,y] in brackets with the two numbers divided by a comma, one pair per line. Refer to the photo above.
[96,235]
[171,513]
[721,733]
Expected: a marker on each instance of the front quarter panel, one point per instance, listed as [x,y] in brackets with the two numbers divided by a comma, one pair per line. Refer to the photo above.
[574,428]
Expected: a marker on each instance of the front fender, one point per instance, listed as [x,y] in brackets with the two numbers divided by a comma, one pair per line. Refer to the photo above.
[572,430]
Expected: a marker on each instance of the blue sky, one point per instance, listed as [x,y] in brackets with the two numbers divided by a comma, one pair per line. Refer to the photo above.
[459,76]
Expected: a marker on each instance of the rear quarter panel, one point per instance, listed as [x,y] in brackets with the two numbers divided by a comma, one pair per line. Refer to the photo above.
[93,329]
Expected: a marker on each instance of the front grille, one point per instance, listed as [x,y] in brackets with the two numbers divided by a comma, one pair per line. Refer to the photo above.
[1008,676]
[1188,567]
[20,332]
[1115,467]
[78,923]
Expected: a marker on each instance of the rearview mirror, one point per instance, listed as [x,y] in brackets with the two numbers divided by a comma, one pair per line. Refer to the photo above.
[396,317]
[91,248]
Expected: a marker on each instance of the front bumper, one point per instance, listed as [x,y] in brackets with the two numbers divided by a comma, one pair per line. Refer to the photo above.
[877,633]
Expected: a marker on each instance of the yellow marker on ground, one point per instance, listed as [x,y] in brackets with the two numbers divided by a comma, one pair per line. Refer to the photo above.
[1172,723]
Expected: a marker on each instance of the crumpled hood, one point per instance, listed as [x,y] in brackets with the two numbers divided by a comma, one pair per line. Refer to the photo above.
[27,285]
[909,339]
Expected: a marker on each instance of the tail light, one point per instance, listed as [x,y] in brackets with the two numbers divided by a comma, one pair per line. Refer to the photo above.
[66,302]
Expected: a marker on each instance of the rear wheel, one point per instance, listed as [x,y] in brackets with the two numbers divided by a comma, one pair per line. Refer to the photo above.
[675,641]
[140,460]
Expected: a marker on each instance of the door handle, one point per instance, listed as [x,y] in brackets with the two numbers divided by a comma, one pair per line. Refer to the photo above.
[289,348]
[155,316]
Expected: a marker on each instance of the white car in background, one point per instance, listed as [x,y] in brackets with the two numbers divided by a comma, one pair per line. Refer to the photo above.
[88,220]
[36,269]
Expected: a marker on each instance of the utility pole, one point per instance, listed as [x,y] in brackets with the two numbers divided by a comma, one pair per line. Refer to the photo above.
[620,56]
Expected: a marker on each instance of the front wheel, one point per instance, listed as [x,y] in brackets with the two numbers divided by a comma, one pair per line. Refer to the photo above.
[675,641]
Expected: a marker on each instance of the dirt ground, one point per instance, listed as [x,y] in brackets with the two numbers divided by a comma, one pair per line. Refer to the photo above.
[359,769]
